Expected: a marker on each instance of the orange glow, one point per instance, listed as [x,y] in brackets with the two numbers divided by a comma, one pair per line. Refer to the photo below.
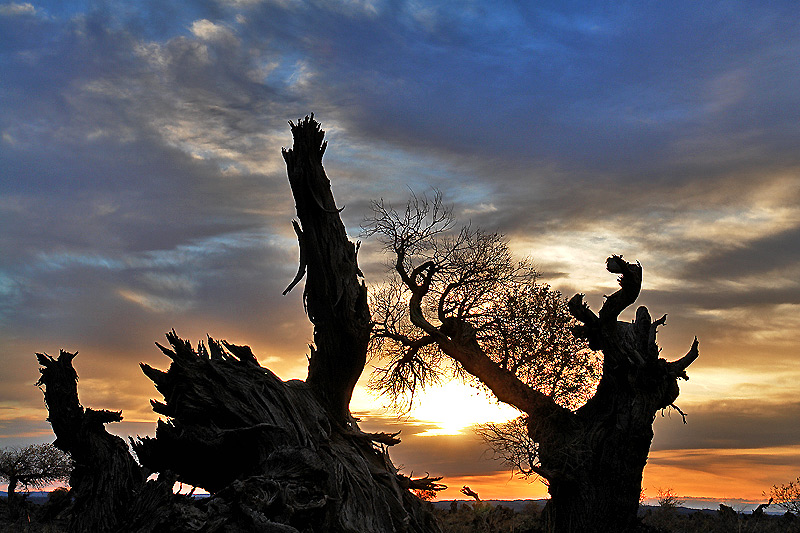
[712,474]
[720,473]
[493,487]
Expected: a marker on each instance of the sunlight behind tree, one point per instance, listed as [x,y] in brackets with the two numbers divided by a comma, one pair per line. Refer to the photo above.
[455,406]
[459,305]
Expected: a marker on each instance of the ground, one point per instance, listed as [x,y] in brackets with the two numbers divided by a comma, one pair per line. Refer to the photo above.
[478,517]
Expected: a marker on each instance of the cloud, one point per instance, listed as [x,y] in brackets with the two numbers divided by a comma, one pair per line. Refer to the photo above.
[208,31]
[14,10]
[721,474]
[770,425]
[457,455]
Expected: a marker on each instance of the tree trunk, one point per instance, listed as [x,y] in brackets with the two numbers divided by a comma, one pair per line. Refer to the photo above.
[601,493]
[13,507]
[275,456]
[336,302]
[270,450]
[105,477]
[594,468]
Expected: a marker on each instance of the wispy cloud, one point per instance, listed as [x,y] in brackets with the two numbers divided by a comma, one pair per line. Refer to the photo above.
[13,9]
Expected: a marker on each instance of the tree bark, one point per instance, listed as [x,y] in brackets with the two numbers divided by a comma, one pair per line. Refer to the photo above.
[275,456]
[336,302]
[13,497]
[271,449]
[592,458]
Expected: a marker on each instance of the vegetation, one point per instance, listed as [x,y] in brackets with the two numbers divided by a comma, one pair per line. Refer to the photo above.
[32,467]
[481,517]
[787,496]
[32,517]
[476,517]
[521,324]
[667,499]
[724,520]
[456,302]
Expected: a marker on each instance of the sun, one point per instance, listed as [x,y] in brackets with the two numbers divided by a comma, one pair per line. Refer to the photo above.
[454,406]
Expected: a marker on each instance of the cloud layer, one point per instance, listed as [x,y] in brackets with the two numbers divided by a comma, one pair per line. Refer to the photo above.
[143,187]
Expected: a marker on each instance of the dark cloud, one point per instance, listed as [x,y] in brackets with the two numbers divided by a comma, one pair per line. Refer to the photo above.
[721,425]
[762,257]
[595,88]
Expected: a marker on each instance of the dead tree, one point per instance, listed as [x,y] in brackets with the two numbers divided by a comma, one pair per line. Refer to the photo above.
[460,300]
[105,478]
[275,456]
[466,491]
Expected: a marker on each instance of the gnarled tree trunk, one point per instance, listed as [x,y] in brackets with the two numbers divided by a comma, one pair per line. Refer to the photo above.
[276,456]
[592,458]
[594,466]
[336,302]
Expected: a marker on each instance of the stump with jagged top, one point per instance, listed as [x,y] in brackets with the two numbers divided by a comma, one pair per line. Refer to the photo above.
[275,455]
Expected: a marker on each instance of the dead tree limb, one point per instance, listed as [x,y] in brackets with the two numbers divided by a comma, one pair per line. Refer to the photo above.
[336,301]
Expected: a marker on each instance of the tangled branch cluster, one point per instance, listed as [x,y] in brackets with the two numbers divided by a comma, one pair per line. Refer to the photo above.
[468,280]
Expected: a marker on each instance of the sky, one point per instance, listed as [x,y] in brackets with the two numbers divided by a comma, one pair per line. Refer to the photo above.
[142,189]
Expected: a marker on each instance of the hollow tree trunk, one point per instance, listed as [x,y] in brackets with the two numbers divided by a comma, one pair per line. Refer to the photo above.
[601,493]
[275,456]
[594,468]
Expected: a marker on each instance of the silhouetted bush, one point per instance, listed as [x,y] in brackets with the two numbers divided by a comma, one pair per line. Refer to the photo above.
[482,517]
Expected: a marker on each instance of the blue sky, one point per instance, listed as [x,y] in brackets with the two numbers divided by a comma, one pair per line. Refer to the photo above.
[143,189]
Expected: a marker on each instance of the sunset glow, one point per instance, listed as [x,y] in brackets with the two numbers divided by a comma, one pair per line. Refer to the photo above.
[454,407]
[142,189]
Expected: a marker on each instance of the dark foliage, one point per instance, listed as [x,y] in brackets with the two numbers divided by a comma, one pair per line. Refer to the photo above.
[32,466]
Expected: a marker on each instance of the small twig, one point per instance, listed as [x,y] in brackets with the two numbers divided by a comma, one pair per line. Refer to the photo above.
[683,415]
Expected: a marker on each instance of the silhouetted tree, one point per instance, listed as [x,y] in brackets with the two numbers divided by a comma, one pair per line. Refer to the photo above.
[457,301]
[33,466]
[667,499]
[466,491]
[276,456]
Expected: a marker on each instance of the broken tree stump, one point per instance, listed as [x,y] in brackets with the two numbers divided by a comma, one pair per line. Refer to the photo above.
[275,456]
